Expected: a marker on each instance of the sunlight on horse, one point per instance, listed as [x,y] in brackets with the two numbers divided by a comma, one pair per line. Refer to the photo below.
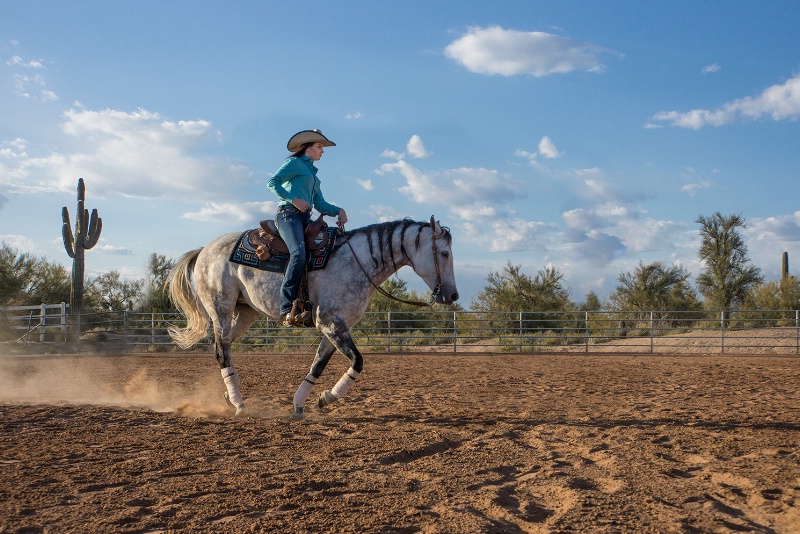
[206,286]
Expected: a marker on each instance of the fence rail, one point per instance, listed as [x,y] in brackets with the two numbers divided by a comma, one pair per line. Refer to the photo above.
[739,331]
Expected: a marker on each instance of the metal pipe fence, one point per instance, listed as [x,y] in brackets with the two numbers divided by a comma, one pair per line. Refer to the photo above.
[638,332]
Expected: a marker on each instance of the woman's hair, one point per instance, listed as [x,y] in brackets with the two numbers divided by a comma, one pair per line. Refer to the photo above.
[302,150]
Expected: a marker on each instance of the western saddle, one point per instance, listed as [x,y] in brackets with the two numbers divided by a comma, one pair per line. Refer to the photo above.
[267,241]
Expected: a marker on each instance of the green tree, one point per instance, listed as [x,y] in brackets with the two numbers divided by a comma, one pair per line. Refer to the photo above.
[28,280]
[397,288]
[156,298]
[512,290]
[775,295]
[654,287]
[109,292]
[591,303]
[409,324]
[727,277]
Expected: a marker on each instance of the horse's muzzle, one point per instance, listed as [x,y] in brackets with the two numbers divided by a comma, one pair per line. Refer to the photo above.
[447,299]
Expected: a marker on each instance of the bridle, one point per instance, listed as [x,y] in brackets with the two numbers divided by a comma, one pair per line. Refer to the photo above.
[437,289]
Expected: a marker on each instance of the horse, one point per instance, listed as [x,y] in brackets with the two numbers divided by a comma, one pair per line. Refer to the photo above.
[206,286]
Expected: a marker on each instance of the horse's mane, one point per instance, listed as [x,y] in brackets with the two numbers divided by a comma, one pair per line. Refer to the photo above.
[380,234]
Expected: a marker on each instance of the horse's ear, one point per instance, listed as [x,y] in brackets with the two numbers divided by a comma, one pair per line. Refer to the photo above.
[437,230]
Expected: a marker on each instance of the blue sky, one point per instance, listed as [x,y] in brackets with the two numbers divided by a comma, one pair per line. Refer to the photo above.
[584,135]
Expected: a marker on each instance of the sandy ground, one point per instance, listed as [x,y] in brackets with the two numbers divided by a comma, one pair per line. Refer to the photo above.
[424,443]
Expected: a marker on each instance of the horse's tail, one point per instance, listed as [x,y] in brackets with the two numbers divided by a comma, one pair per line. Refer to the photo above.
[183,295]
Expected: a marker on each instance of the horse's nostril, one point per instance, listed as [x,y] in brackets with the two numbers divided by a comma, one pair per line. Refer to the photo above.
[454,296]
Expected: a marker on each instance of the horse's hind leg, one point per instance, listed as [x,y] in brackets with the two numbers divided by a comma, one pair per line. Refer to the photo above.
[339,334]
[324,352]
[224,334]
[233,395]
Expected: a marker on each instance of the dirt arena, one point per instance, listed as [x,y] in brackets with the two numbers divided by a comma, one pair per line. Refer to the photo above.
[424,443]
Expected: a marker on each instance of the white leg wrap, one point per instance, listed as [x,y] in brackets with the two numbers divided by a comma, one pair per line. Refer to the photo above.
[231,380]
[304,391]
[345,383]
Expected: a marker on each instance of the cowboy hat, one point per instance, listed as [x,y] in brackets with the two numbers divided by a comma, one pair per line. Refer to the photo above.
[307,136]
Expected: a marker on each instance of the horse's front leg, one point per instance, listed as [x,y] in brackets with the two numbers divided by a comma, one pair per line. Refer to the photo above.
[339,334]
[324,352]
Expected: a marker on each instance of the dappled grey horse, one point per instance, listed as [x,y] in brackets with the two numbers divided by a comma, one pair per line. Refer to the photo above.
[206,286]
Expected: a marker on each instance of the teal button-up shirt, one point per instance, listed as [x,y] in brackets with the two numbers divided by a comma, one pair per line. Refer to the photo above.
[297,178]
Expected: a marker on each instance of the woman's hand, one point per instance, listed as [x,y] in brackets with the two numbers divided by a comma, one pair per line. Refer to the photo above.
[341,220]
[301,204]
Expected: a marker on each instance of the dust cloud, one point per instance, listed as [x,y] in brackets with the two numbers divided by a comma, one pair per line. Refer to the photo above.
[110,381]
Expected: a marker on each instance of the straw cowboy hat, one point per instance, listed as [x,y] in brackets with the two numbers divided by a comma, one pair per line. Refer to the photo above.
[307,136]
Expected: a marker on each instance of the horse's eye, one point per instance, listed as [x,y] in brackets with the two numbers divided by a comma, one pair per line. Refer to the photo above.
[446,254]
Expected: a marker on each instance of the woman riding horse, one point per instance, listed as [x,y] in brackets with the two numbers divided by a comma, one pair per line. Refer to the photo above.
[298,187]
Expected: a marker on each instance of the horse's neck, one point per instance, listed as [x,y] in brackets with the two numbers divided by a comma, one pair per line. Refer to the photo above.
[381,255]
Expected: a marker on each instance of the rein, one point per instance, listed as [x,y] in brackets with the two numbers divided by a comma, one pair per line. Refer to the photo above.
[385,293]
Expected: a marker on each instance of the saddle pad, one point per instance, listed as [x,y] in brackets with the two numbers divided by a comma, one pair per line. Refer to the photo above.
[244,254]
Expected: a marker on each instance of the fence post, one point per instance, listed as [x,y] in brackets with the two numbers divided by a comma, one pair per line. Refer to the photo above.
[388,331]
[586,336]
[651,331]
[722,330]
[64,330]
[797,331]
[28,331]
[455,332]
[125,319]
[42,322]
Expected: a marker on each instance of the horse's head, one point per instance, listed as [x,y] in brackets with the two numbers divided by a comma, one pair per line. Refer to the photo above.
[433,262]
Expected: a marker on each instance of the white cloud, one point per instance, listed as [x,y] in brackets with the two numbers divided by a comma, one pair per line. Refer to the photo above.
[708,69]
[384,213]
[21,243]
[31,85]
[48,96]
[366,184]
[225,212]
[548,149]
[767,239]
[514,235]
[14,149]
[469,192]
[115,250]
[495,50]
[18,61]
[525,154]
[692,189]
[416,149]
[780,102]
[354,116]
[392,154]
[137,154]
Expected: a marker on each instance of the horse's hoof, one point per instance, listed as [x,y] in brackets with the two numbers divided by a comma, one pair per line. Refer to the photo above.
[241,410]
[297,415]
[326,398]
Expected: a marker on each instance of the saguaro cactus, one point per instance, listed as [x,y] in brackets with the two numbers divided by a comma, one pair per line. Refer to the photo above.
[785,266]
[87,232]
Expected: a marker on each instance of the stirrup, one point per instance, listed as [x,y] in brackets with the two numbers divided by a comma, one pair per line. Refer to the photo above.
[299,316]
[292,320]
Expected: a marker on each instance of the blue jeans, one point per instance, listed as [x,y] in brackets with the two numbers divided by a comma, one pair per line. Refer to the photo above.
[292,224]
